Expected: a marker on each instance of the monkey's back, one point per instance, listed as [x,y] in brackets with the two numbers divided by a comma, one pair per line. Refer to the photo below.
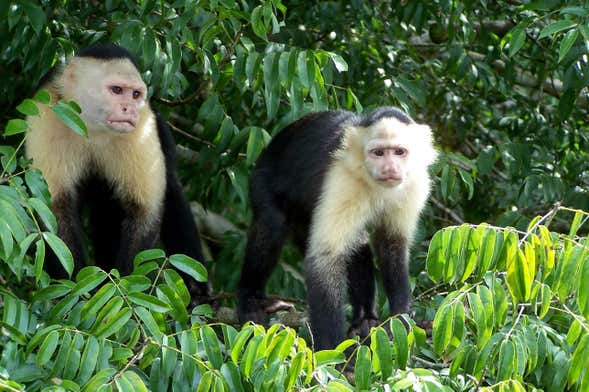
[292,168]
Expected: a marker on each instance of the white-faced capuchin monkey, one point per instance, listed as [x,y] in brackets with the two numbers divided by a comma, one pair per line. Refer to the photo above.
[123,174]
[325,180]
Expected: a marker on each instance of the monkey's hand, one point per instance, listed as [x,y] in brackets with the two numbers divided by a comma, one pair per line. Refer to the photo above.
[259,309]
[361,327]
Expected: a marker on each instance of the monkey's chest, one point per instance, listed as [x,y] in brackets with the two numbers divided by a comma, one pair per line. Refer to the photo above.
[131,174]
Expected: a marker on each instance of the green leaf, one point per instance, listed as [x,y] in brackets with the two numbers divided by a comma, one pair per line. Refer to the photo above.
[44,213]
[98,300]
[67,113]
[362,368]
[206,382]
[131,381]
[99,379]
[15,126]
[281,346]
[507,360]
[442,328]
[329,357]
[189,266]
[271,83]
[305,69]
[6,238]
[107,312]
[567,103]
[579,11]
[212,346]
[89,283]
[65,305]
[240,340]
[381,347]
[36,183]
[257,24]
[149,322]
[61,251]
[413,89]
[148,255]
[338,61]
[40,335]
[295,368]
[114,324]
[88,360]
[42,96]
[178,311]
[252,65]
[400,343]
[233,377]
[258,139]
[150,302]
[36,15]
[250,355]
[227,131]
[567,43]
[583,294]
[51,292]
[435,258]
[468,181]
[13,334]
[556,27]
[517,38]
[39,254]
[28,108]
[338,386]
[47,348]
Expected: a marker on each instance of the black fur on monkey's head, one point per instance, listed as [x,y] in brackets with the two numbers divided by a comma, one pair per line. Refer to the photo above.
[385,112]
[104,52]
[108,52]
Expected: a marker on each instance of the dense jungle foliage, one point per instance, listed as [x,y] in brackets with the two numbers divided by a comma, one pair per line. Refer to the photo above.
[500,265]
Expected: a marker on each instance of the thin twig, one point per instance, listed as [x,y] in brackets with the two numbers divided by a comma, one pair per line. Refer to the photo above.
[546,216]
[448,211]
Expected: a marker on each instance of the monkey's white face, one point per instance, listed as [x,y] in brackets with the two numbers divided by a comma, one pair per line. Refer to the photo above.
[386,161]
[111,93]
[389,147]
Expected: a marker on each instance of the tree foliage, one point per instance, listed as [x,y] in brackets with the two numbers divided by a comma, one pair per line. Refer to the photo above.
[504,86]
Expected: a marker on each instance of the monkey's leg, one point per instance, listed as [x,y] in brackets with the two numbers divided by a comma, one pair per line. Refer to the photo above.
[326,288]
[65,207]
[139,231]
[393,262]
[179,233]
[265,240]
[105,220]
[361,288]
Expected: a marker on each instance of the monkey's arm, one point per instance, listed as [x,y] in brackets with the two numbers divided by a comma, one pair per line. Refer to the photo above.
[392,252]
[138,232]
[65,207]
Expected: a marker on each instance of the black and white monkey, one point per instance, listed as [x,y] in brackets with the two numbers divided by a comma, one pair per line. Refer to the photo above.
[325,180]
[123,173]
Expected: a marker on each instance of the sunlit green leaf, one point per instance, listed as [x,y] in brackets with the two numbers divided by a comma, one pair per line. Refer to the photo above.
[189,266]
[61,250]
[556,27]
[70,117]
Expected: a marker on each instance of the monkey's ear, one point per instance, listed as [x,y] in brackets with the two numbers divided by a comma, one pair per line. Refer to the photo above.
[425,143]
[70,75]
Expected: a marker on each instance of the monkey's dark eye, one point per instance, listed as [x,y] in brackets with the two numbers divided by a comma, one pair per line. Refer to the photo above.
[378,152]
[116,89]
[136,94]
[400,151]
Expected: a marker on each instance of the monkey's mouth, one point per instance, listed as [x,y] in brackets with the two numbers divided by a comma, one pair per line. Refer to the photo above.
[389,181]
[122,125]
